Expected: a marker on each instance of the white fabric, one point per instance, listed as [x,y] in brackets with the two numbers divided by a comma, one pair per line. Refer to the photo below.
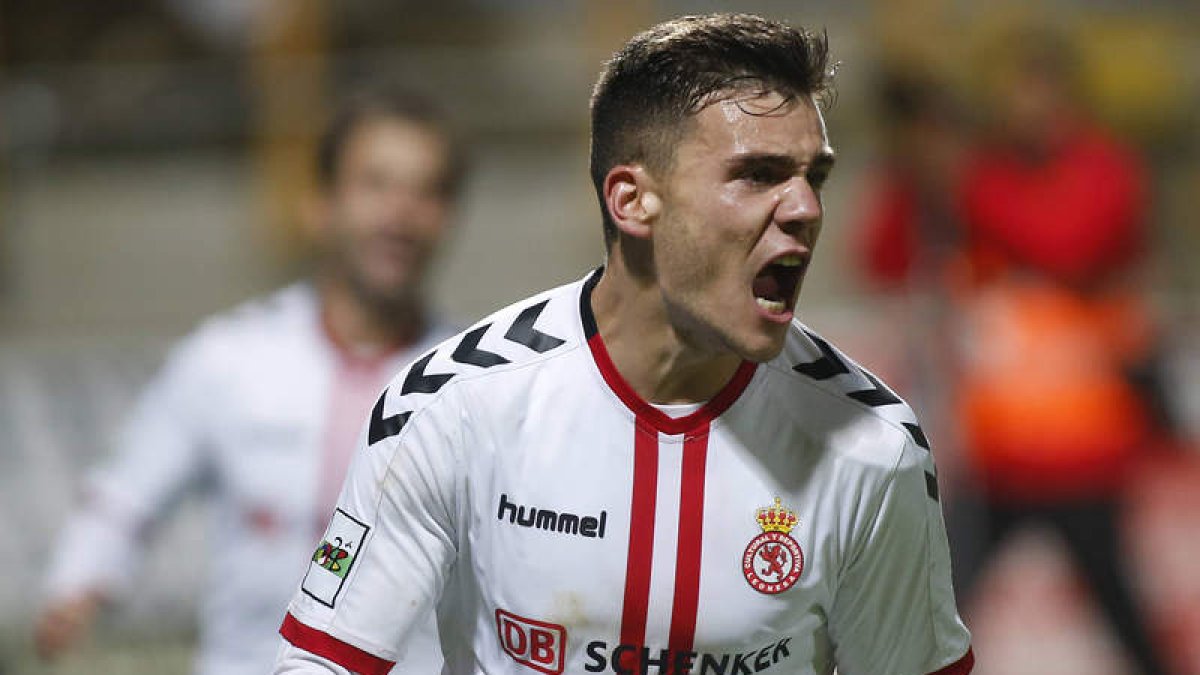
[678,409]
[241,408]
[546,430]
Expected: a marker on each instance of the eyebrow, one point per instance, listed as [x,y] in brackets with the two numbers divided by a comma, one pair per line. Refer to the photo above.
[822,161]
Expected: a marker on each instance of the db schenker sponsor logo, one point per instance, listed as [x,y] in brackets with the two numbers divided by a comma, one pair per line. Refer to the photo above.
[626,659]
[534,644]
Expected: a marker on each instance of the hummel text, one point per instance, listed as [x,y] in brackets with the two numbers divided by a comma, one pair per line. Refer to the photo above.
[552,521]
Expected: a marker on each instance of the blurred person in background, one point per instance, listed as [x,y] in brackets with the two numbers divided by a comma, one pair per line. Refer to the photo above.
[1054,386]
[909,239]
[1017,261]
[910,229]
[260,406]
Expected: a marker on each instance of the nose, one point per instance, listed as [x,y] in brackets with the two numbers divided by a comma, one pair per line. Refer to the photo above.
[400,196]
[407,204]
[797,203]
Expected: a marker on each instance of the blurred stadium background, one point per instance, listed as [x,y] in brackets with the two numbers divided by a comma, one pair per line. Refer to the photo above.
[153,154]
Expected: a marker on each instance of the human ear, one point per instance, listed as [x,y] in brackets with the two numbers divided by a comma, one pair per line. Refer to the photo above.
[632,198]
[651,204]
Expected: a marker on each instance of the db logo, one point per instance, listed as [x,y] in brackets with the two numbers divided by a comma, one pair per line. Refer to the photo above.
[536,644]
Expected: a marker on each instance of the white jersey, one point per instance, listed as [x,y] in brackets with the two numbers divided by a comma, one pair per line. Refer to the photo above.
[560,524]
[261,408]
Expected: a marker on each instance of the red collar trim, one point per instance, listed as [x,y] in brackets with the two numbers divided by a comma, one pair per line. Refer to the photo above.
[656,418]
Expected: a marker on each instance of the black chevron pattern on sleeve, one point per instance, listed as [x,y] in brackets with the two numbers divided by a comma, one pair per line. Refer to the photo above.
[931,486]
[382,427]
[876,396]
[917,434]
[522,331]
[830,365]
[468,350]
[825,367]
[417,382]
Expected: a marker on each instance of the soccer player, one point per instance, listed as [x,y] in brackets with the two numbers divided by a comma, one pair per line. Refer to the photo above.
[261,405]
[655,469]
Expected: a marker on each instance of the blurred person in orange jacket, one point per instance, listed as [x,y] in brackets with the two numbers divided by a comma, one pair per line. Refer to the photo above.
[1030,244]
[1055,340]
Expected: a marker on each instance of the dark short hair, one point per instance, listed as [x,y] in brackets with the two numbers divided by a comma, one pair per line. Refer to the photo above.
[389,101]
[648,91]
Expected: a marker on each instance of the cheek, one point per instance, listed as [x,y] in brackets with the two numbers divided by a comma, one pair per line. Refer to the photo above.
[741,217]
[430,221]
[810,235]
[355,215]
[693,262]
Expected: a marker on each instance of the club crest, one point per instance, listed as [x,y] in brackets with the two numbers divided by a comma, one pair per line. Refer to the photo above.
[773,561]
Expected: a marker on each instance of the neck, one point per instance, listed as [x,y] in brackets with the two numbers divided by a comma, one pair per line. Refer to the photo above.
[361,328]
[653,355]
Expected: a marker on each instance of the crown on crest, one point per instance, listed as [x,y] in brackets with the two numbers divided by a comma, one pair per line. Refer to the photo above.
[776,518]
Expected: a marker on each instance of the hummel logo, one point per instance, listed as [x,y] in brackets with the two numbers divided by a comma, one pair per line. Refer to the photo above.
[552,521]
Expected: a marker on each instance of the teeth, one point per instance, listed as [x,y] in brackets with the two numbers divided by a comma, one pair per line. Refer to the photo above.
[773,306]
[792,260]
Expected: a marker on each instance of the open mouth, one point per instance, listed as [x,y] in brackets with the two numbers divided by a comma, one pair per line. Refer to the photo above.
[777,284]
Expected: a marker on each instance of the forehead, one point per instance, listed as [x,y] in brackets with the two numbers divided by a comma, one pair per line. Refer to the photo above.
[397,141]
[758,123]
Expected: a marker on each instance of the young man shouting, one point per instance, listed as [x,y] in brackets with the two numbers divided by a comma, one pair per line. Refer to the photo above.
[656,469]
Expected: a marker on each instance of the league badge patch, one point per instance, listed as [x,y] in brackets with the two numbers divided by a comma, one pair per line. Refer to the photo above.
[773,561]
[334,557]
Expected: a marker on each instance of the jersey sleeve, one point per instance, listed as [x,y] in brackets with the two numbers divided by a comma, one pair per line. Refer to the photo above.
[292,660]
[390,545]
[157,454]
[894,611]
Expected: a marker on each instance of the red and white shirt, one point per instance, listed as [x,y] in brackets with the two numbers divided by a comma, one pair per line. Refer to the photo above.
[558,523]
[259,409]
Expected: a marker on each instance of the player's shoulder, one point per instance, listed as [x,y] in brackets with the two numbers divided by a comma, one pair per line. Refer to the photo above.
[262,323]
[269,314]
[497,348]
[873,423]
[529,331]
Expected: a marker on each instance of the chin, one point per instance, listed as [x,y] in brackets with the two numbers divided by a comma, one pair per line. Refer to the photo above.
[763,356]
[761,349]
[385,296]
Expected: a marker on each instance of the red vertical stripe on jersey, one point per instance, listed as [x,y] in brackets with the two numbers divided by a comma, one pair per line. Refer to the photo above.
[691,535]
[641,537]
